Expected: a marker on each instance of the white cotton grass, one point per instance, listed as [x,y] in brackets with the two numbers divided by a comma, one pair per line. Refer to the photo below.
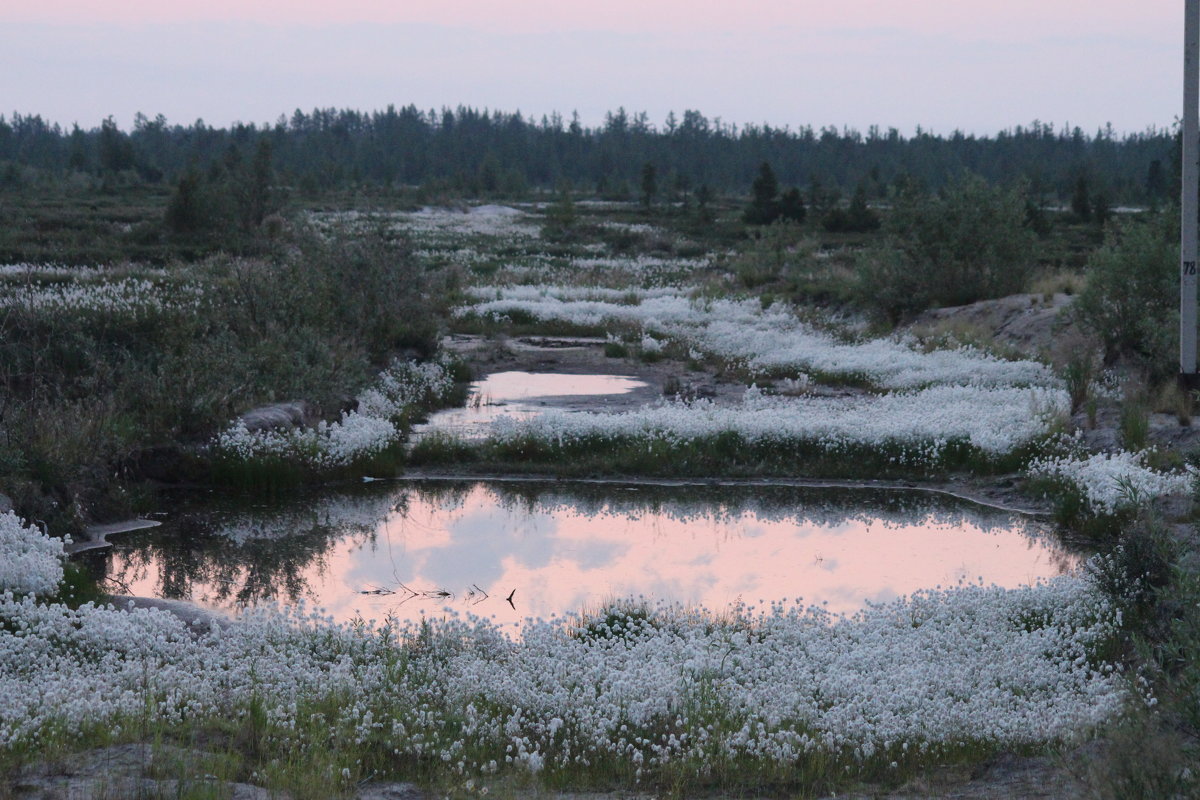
[439,226]
[645,687]
[370,429]
[127,296]
[327,445]
[922,424]
[1112,482]
[766,341]
[31,562]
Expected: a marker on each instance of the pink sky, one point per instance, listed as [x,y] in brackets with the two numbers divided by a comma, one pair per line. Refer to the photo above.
[981,65]
[988,17]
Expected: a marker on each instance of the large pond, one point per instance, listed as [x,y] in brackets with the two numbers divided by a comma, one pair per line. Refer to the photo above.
[514,550]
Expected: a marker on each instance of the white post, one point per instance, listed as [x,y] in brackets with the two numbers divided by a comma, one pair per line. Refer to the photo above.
[1189,213]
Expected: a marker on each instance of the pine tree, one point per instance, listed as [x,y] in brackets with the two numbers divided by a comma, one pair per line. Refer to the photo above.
[1081,201]
[764,209]
[791,206]
[649,184]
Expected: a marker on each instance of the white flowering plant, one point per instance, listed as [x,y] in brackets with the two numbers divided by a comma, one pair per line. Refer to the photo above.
[32,563]
[904,433]
[1103,487]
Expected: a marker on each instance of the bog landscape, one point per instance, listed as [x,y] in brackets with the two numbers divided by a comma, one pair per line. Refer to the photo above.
[416,454]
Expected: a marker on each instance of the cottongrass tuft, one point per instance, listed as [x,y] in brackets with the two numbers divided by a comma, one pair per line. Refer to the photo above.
[31,562]
[1109,483]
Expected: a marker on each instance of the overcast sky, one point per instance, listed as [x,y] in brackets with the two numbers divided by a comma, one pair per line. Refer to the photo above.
[975,65]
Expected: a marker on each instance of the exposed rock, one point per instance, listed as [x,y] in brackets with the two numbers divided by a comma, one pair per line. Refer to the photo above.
[141,770]
[390,791]
[96,536]
[128,770]
[280,416]
[1167,432]
[1029,323]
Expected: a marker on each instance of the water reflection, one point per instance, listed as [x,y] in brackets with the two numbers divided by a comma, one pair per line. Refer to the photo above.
[509,551]
[521,395]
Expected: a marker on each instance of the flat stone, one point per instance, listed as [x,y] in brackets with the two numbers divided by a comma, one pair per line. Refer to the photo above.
[279,416]
[390,791]
[122,771]
[96,536]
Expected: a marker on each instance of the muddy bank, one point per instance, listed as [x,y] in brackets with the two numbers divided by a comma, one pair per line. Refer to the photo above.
[143,770]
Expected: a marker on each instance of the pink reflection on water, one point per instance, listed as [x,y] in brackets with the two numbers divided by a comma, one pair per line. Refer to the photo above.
[521,395]
[553,558]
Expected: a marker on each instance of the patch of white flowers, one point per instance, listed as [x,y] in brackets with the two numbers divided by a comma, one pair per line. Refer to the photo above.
[767,341]
[922,424]
[438,224]
[920,675]
[30,562]
[129,296]
[360,434]
[35,271]
[651,345]
[1112,482]
[640,268]
[327,445]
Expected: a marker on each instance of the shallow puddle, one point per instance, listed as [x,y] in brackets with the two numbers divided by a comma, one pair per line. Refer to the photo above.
[509,551]
[521,395]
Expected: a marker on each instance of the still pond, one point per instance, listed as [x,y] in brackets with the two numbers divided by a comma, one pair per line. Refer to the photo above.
[513,550]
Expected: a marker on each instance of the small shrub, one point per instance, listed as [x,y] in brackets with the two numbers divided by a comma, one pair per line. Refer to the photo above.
[969,242]
[1144,758]
[1131,298]
[1079,374]
[614,348]
[1134,422]
[1137,569]
[857,218]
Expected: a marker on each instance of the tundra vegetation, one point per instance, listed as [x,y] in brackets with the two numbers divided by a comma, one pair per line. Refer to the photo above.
[144,312]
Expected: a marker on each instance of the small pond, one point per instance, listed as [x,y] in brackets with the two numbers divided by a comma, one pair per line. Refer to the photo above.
[511,550]
[524,394]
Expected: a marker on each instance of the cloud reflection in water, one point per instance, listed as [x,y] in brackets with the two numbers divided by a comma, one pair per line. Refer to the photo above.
[562,549]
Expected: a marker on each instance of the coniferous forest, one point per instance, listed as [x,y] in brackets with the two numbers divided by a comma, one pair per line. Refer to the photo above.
[481,152]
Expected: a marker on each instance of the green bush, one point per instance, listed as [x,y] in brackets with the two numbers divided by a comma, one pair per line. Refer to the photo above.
[968,242]
[1131,301]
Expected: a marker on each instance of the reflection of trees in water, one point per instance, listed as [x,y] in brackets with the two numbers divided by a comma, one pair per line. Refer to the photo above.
[822,506]
[248,555]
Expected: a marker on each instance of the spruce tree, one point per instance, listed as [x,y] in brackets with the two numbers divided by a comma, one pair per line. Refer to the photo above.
[764,209]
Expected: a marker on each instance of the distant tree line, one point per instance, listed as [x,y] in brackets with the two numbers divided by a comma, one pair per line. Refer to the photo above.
[490,152]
